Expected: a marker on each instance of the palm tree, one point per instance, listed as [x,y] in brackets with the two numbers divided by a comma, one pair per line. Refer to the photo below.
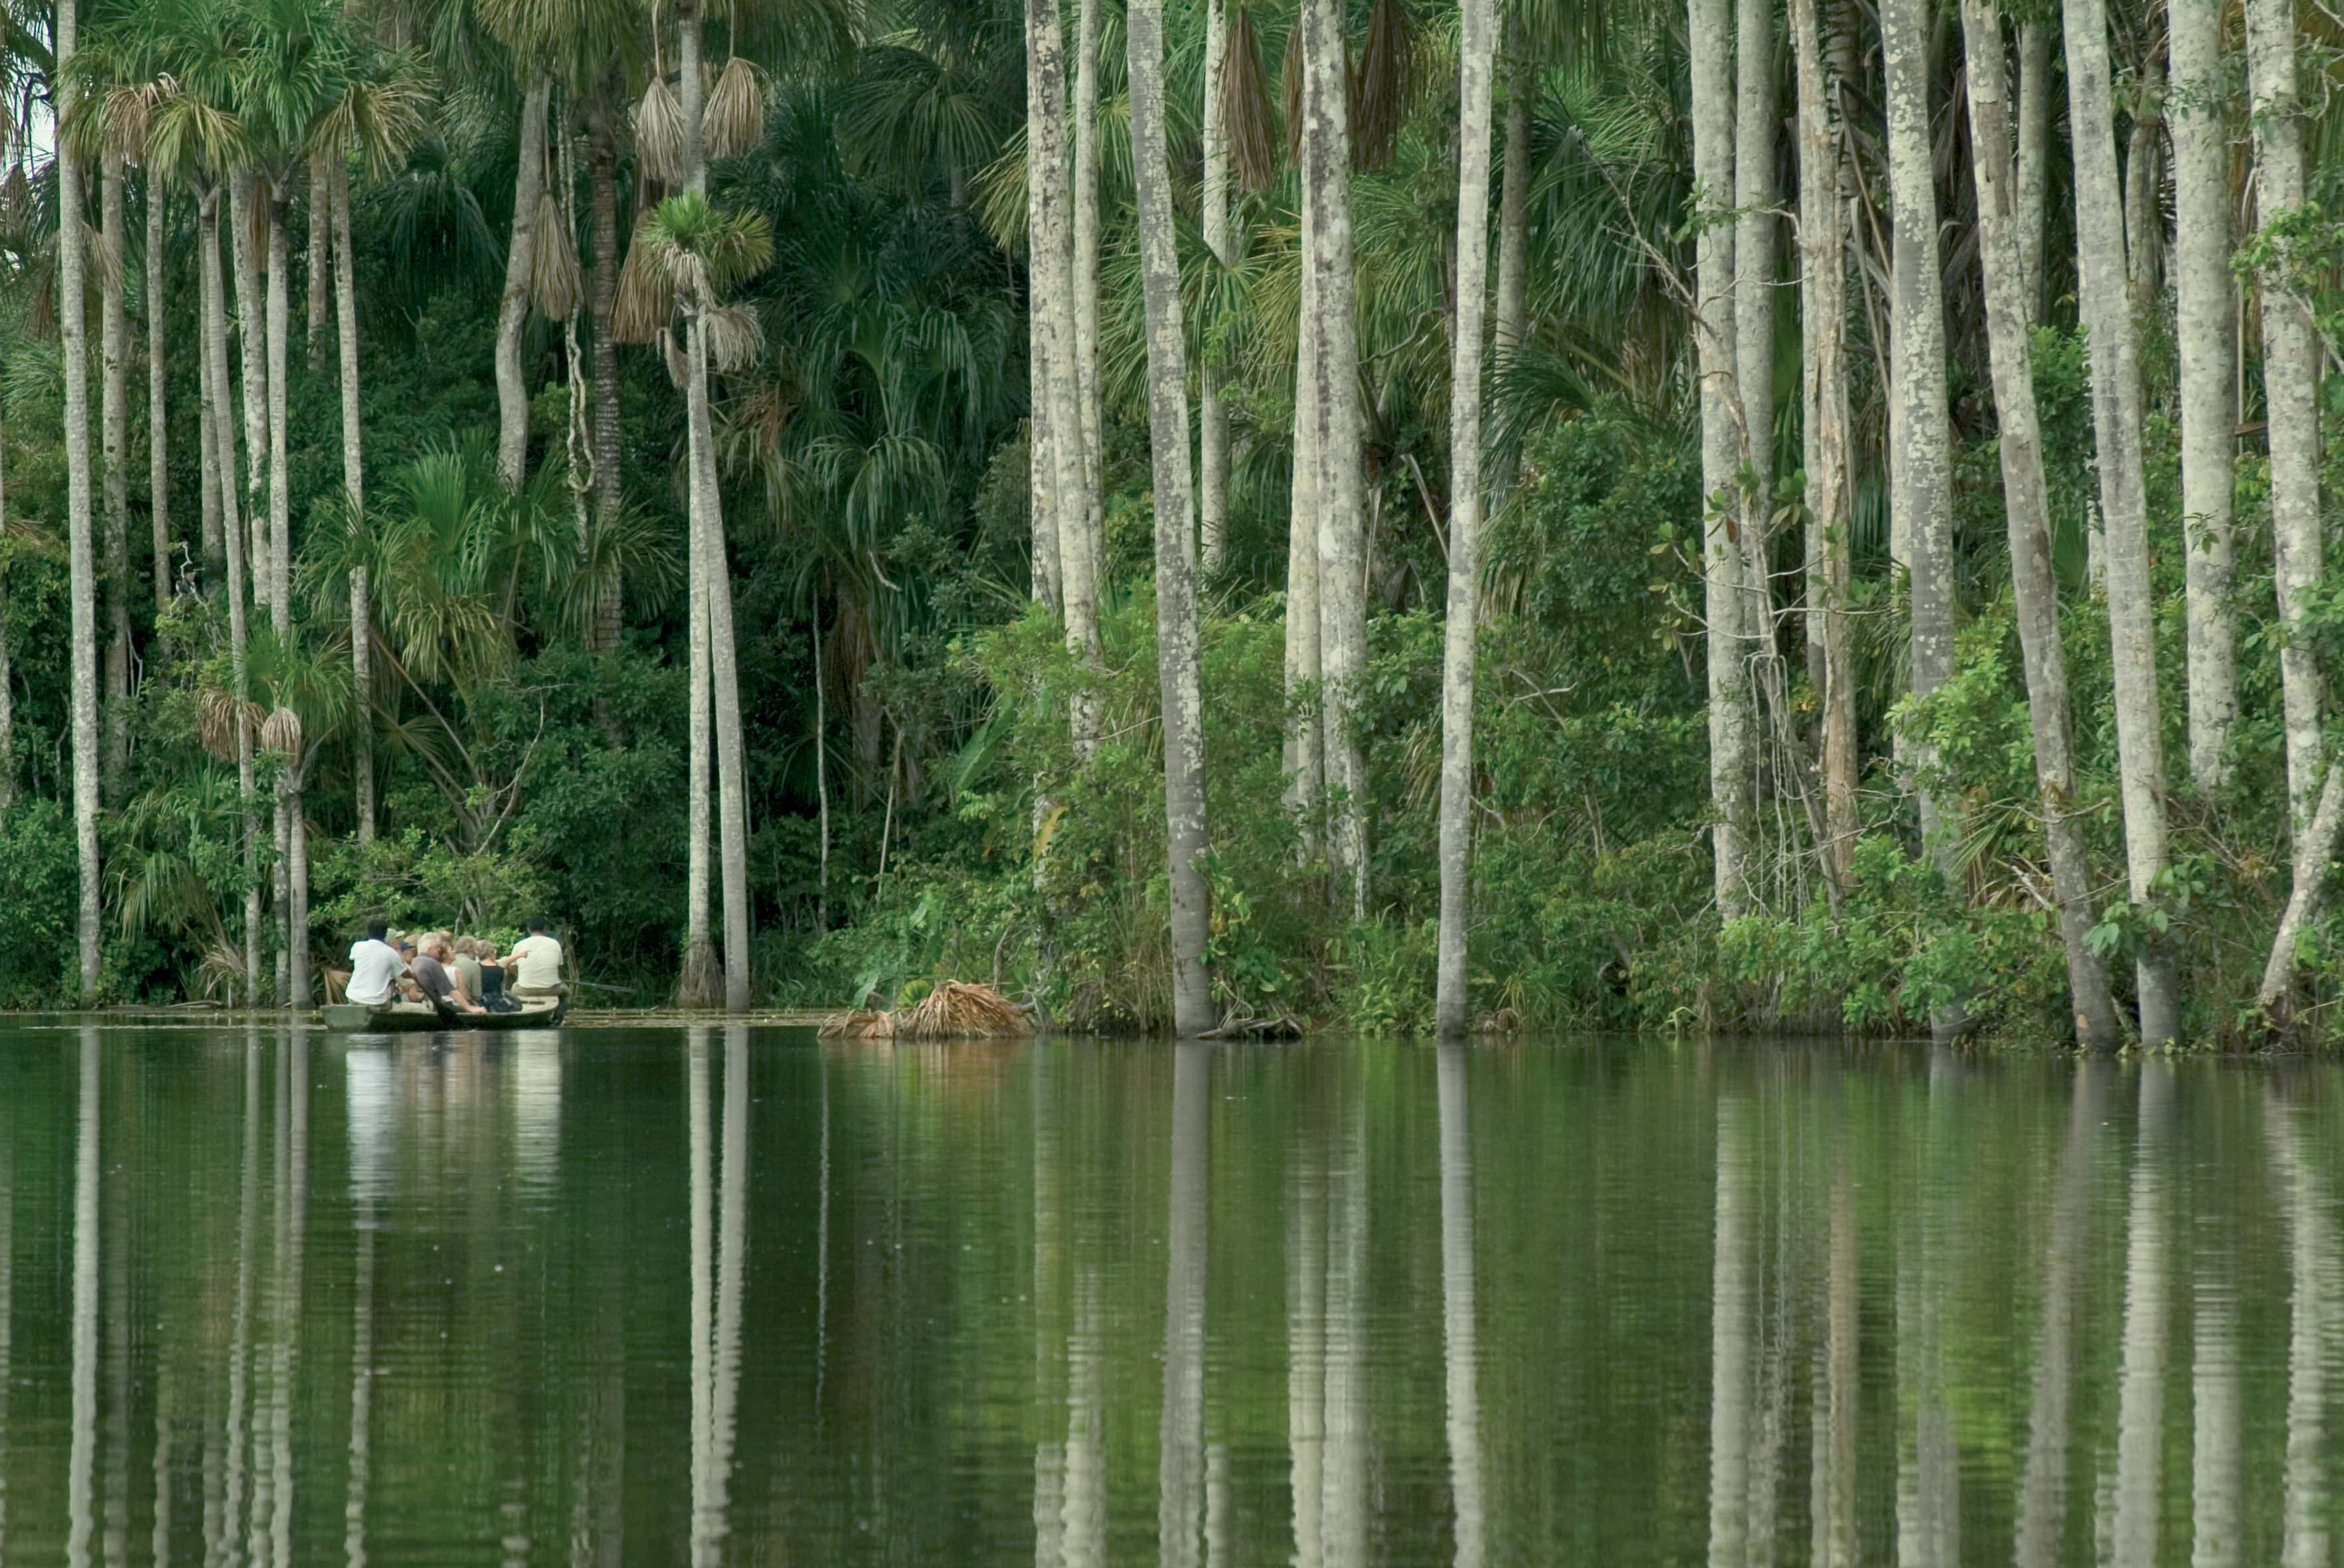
[1476,58]
[1188,838]
[114,424]
[2026,502]
[703,251]
[83,567]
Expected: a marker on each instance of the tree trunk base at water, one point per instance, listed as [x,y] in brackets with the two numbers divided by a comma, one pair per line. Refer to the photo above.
[703,982]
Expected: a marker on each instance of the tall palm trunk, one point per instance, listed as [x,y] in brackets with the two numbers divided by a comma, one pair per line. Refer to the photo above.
[1305,754]
[692,89]
[1342,543]
[2033,166]
[1754,295]
[1822,245]
[114,416]
[211,401]
[2107,309]
[73,333]
[292,829]
[7,715]
[321,219]
[697,988]
[1476,58]
[2027,507]
[1514,218]
[602,294]
[2208,343]
[159,407]
[1048,172]
[731,797]
[222,459]
[1179,684]
[512,310]
[2290,376]
[1212,409]
[346,328]
[1086,265]
[252,342]
[1723,575]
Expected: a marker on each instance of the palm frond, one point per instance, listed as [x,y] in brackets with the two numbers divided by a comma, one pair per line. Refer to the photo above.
[735,116]
[555,283]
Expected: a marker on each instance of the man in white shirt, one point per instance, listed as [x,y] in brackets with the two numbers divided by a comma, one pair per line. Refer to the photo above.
[374,967]
[535,963]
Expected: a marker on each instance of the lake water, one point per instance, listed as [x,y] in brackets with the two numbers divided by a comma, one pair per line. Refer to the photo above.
[735,1297]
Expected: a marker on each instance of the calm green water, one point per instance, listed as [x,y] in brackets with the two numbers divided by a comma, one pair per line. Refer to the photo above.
[711,1297]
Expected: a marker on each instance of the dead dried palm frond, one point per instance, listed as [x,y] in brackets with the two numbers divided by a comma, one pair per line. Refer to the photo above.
[216,716]
[734,337]
[646,301]
[1289,91]
[104,258]
[280,734]
[679,365]
[1381,84]
[256,221]
[555,282]
[659,134]
[736,115]
[954,1011]
[1246,108]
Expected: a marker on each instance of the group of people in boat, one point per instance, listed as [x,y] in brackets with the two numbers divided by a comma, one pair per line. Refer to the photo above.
[454,974]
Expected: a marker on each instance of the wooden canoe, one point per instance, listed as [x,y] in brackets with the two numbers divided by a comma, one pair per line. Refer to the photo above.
[422,1018]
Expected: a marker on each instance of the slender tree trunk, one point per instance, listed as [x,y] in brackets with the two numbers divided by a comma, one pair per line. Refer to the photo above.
[1086,265]
[114,402]
[1181,691]
[692,93]
[2025,504]
[512,311]
[2315,848]
[1822,247]
[2115,342]
[2144,209]
[1710,23]
[2291,378]
[732,795]
[1212,409]
[1754,124]
[1305,752]
[346,323]
[1342,543]
[292,873]
[322,204]
[223,459]
[1475,58]
[158,443]
[1513,219]
[2034,159]
[2208,345]
[602,294]
[210,400]
[1049,171]
[7,716]
[73,332]
[252,342]
[698,988]
[821,773]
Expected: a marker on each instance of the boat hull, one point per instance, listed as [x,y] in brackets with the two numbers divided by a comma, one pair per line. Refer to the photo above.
[421,1018]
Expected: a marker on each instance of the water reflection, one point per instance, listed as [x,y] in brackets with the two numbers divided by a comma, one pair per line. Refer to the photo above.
[724,1296]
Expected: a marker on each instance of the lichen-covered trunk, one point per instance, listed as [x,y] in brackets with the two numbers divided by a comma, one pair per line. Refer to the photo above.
[82,558]
[2114,337]
[1212,409]
[1304,755]
[220,430]
[1051,244]
[2035,589]
[1476,62]
[1724,599]
[346,325]
[252,347]
[158,443]
[725,681]
[7,715]
[1179,682]
[113,423]
[292,833]
[1823,250]
[1342,543]
[698,984]
[512,308]
[2206,349]
[2033,166]
[1086,264]
[1754,296]
[2290,379]
[602,294]
[318,259]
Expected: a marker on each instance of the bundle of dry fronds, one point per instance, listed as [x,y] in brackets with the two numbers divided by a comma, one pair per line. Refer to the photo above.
[1381,84]
[554,280]
[954,1011]
[646,301]
[734,116]
[659,134]
[860,1025]
[1246,109]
